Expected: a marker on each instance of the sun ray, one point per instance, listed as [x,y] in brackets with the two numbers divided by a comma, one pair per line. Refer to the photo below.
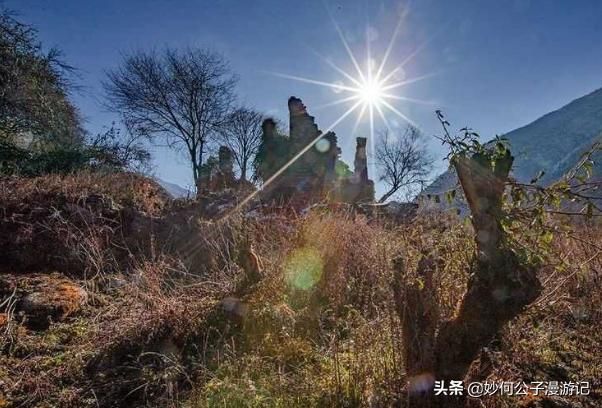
[382,116]
[401,115]
[390,46]
[336,67]
[313,81]
[368,54]
[338,101]
[371,112]
[401,65]
[407,99]
[412,55]
[408,81]
[372,138]
[358,119]
[347,48]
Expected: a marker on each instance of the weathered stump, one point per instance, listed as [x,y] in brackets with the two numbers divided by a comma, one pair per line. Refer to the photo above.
[500,288]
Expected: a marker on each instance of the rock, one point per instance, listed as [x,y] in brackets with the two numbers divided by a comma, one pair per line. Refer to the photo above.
[234,307]
[50,298]
[3,320]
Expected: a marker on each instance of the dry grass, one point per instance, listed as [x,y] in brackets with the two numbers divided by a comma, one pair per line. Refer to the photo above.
[127,189]
[337,342]
[76,224]
[319,329]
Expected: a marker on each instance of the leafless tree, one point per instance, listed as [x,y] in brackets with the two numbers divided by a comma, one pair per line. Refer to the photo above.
[402,160]
[182,97]
[241,132]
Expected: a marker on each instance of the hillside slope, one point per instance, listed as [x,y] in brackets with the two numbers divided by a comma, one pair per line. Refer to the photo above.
[552,143]
[113,295]
[173,189]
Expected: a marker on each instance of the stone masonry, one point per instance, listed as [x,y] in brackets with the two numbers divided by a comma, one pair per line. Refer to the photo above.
[312,176]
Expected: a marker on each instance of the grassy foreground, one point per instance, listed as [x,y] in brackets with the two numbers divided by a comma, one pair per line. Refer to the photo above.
[171,319]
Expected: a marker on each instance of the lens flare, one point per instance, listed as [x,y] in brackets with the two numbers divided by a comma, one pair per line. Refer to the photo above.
[323,145]
[304,268]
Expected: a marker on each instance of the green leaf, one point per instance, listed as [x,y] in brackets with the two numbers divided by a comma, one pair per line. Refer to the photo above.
[546,237]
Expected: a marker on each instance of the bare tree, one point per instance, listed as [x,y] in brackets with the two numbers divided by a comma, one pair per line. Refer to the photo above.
[182,97]
[241,132]
[403,161]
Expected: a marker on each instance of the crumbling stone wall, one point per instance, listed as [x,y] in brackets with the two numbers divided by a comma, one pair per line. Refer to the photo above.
[360,174]
[358,188]
[312,176]
[313,172]
[218,174]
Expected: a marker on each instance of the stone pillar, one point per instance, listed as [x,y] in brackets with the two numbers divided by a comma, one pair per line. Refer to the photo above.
[360,173]
[332,154]
[225,159]
[303,128]
[296,111]
[268,128]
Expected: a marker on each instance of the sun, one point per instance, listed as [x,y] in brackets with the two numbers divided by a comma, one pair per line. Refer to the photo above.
[370,90]
[371,93]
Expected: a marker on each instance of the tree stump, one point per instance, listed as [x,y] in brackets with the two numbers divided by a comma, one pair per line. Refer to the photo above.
[499,289]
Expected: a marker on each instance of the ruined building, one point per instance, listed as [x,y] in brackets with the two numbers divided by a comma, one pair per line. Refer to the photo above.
[358,187]
[313,175]
[218,174]
[299,177]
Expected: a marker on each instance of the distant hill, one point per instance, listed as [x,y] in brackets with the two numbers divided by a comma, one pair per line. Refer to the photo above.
[174,190]
[553,143]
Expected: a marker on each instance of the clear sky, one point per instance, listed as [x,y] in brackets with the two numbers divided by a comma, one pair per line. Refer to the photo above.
[498,64]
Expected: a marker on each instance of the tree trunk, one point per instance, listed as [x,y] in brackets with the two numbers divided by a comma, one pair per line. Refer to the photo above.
[199,165]
[243,170]
[388,194]
[498,290]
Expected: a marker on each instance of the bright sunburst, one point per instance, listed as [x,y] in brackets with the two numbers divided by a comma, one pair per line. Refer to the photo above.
[371,93]
[368,91]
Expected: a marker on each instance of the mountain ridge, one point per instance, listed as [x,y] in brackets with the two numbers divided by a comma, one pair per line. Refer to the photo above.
[175,190]
[552,143]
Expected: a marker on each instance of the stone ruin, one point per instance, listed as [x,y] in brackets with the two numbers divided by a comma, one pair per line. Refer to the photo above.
[357,188]
[313,176]
[218,174]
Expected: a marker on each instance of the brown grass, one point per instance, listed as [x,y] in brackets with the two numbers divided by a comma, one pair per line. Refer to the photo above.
[75,224]
[319,329]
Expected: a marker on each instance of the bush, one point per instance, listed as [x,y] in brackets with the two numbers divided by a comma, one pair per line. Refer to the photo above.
[105,152]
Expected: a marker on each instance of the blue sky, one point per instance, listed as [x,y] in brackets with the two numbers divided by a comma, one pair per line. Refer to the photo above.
[498,64]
